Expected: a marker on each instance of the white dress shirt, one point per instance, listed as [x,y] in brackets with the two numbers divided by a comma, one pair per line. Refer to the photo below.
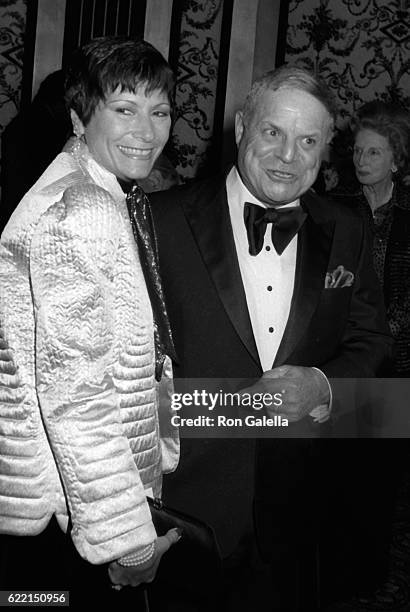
[268,280]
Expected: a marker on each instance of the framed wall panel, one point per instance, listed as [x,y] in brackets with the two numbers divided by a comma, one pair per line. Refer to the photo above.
[43,45]
[87,19]
[158,19]
[252,51]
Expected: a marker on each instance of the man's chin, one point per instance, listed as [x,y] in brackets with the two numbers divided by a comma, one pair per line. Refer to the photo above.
[282,197]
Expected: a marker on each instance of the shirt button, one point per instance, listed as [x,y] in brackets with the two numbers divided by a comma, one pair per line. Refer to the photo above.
[267,248]
[271,330]
[269,287]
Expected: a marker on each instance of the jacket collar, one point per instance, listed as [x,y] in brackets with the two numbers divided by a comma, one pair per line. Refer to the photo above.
[314,247]
[91,169]
[210,223]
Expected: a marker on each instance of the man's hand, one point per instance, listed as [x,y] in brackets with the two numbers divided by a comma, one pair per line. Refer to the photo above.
[136,575]
[301,390]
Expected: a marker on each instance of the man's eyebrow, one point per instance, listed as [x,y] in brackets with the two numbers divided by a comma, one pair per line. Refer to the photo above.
[266,124]
[317,134]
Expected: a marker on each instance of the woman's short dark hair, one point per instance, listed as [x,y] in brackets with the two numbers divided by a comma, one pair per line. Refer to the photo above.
[391,121]
[101,66]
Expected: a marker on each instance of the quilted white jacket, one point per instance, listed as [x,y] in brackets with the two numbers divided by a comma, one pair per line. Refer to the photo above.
[80,416]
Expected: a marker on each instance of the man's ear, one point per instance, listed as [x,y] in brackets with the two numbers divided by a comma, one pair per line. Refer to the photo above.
[239,127]
[78,126]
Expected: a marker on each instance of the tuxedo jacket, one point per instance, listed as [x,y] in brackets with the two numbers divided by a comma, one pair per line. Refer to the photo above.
[341,330]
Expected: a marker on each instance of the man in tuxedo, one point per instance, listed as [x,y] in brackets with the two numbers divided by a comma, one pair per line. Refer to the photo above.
[267,281]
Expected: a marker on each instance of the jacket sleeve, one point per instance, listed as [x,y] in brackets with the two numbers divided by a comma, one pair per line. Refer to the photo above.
[72,261]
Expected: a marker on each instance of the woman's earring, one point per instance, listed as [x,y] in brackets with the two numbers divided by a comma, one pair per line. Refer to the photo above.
[78,130]
[78,140]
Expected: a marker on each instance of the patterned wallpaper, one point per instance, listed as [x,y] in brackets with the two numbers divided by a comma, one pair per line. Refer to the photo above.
[12,20]
[360,47]
[197,71]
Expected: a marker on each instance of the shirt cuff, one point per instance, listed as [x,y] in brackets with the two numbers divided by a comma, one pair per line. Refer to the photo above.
[321,414]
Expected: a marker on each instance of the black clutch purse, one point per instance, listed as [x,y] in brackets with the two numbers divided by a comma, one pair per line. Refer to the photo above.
[194,563]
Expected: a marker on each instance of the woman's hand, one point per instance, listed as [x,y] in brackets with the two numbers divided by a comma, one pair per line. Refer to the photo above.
[137,574]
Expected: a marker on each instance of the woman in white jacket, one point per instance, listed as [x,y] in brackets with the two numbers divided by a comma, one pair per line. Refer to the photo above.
[83,355]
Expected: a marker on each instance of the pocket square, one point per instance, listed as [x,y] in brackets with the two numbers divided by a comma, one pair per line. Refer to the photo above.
[340,277]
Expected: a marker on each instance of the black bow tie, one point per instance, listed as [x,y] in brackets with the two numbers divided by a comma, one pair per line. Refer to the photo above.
[285,225]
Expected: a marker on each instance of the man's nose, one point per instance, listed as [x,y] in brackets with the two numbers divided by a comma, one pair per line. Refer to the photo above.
[287,152]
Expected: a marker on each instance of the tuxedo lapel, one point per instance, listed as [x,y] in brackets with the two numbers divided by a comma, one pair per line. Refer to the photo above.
[314,246]
[211,226]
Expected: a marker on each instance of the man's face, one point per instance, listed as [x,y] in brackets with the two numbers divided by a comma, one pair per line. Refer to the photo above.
[281,144]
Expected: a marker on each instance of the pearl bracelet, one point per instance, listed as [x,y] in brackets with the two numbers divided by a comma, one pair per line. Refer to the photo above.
[135,559]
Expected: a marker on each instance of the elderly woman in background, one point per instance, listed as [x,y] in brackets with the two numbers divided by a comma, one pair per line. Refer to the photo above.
[85,342]
[381,158]
[381,152]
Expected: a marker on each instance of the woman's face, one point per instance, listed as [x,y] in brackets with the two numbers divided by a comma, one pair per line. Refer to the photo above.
[372,157]
[128,131]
